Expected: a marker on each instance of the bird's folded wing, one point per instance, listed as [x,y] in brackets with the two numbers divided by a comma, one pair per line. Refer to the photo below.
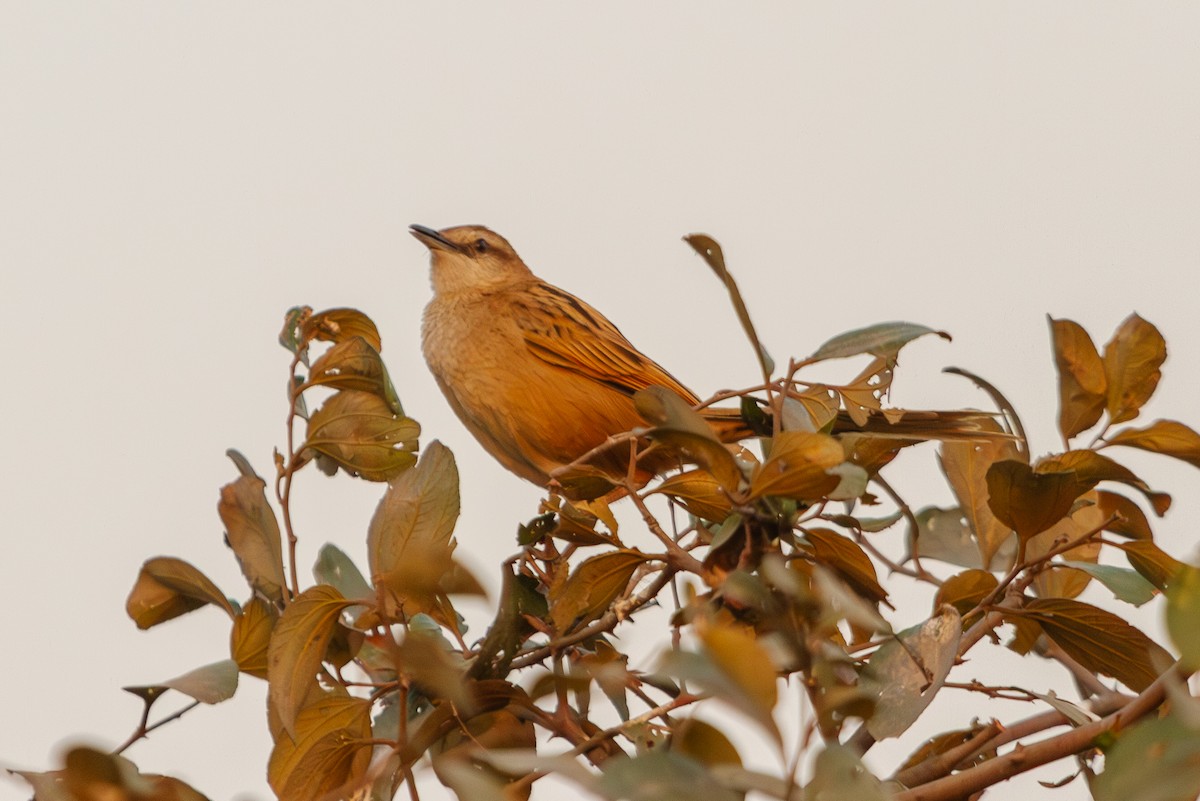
[562,330]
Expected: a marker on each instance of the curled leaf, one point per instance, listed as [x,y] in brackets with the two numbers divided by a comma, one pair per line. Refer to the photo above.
[166,588]
[253,533]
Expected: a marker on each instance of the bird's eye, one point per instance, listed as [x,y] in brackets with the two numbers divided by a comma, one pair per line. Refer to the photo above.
[481,246]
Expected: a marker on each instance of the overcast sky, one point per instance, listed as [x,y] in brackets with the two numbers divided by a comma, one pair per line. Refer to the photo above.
[173,176]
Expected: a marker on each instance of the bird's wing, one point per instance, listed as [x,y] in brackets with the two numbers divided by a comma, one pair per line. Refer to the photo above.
[562,330]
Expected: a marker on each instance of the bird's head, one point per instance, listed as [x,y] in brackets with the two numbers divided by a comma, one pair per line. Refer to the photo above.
[470,258]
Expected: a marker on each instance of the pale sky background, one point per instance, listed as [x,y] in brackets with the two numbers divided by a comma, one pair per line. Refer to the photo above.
[173,176]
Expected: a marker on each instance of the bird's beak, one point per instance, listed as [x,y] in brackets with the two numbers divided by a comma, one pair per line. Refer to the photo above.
[432,239]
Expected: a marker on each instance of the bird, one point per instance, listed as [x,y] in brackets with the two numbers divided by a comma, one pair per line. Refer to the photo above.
[536,374]
[541,378]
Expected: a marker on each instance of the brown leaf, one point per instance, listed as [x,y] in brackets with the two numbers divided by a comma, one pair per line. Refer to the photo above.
[1094,467]
[1062,582]
[863,394]
[1098,640]
[591,588]
[819,407]
[1132,359]
[798,466]
[848,561]
[1081,379]
[166,588]
[704,743]
[738,654]
[1131,520]
[699,493]
[1167,437]
[251,636]
[328,752]
[253,533]
[1028,501]
[966,464]
[340,325]
[298,646]
[360,433]
[409,540]
[965,590]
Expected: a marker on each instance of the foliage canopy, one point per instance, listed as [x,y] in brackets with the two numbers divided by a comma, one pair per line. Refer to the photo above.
[770,567]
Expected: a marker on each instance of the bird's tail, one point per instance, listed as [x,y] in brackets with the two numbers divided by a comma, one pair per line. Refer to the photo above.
[967,424]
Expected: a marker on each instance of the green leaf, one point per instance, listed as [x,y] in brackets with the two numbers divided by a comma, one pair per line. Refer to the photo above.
[883,340]
[1156,760]
[714,257]
[1125,584]
[904,686]
[1183,615]
[839,775]
[210,684]
[253,533]
[166,588]
[297,649]
[333,567]
[659,776]
[1155,565]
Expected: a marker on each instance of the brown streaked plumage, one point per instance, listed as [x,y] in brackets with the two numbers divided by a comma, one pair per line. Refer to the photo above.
[541,378]
[536,374]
